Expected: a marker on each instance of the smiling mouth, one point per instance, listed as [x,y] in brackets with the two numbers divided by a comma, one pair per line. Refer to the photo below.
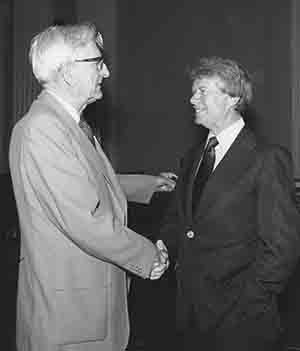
[198,109]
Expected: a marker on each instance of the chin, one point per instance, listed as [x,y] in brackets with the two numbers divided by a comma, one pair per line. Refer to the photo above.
[99,96]
[198,120]
[96,97]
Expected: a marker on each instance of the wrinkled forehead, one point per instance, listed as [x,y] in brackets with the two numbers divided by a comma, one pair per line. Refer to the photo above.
[93,48]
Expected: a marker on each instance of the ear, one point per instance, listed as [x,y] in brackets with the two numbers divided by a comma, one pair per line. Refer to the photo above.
[68,74]
[233,101]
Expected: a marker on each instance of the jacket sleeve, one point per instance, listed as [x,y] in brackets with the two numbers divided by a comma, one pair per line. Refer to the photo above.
[278,221]
[138,187]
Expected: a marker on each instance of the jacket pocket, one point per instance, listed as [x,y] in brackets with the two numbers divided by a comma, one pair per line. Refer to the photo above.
[81,315]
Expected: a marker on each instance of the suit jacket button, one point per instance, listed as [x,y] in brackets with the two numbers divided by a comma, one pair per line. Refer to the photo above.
[190,234]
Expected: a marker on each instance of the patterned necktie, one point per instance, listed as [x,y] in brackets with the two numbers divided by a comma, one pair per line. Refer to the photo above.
[204,170]
[86,128]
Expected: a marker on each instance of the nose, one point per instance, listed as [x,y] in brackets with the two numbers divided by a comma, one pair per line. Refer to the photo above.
[196,97]
[192,99]
[105,71]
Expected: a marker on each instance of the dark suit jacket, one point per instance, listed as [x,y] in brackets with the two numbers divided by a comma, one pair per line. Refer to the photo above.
[246,234]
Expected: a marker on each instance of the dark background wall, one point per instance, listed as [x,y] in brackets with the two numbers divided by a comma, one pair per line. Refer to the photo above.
[156,41]
[149,120]
[5,80]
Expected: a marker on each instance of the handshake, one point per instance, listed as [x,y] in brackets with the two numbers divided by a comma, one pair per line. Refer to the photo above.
[161,263]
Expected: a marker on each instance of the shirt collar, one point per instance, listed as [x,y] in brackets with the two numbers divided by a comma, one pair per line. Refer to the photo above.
[228,135]
[72,111]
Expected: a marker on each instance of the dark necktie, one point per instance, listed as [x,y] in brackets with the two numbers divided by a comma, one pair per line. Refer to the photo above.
[86,128]
[204,170]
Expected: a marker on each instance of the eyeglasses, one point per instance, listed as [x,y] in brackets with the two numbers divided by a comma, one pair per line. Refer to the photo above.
[99,60]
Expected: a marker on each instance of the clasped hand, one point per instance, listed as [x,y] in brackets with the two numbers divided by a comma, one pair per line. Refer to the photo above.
[162,263]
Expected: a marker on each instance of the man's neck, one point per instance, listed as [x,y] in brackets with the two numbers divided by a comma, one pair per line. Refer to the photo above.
[231,119]
[68,98]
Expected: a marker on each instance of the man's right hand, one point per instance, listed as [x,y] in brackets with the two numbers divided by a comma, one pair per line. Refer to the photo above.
[161,264]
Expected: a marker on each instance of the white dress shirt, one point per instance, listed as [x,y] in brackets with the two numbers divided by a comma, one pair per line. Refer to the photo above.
[226,139]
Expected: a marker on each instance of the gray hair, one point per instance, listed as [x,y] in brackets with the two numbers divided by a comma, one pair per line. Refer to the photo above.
[56,46]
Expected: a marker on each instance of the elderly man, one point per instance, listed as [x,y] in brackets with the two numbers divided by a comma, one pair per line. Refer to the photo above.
[75,245]
[233,225]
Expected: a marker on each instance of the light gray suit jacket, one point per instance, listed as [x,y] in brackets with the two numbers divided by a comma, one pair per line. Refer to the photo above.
[75,245]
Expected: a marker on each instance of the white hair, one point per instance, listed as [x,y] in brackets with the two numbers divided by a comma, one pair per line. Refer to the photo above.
[56,46]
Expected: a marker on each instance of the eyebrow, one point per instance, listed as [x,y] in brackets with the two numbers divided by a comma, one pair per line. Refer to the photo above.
[202,87]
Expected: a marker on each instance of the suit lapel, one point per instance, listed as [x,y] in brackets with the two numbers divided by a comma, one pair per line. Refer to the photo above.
[185,181]
[189,179]
[236,161]
[112,180]
[95,156]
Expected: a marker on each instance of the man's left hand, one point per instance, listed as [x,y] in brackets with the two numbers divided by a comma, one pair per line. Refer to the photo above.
[166,181]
